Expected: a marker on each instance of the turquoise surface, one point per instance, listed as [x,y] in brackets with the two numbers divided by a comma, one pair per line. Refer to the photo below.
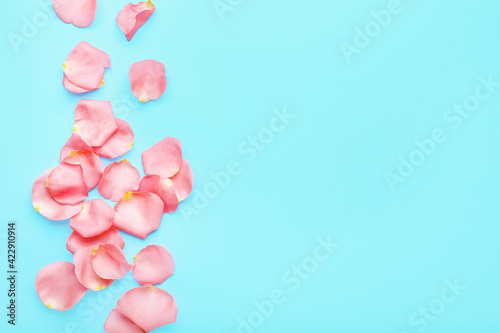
[346,160]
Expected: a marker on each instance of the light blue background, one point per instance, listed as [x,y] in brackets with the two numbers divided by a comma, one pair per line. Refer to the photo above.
[323,175]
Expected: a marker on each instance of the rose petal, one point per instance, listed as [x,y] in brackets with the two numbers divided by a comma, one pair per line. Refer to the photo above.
[84,68]
[66,184]
[74,142]
[118,323]
[71,87]
[95,217]
[119,143]
[109,262]
[111,236]
[132,17]
[85,272]
[164,158]
[148,307]
[91,164]
[138,213]
[119,178]
[152,265]
[94,121]
[162,187]
[147,79]
[47,206]
[57,286]
[183,181]
[80,13]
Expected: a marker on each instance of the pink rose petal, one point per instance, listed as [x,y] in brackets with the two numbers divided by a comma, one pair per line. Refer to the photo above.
[138,213]
[119,143]
[111,236]
[66,184]
[152,265]
[57,286]
[71,87]
[85,272]
[95,217]
[109,262]
[91,164]
[164,158]
[47,206]
[118,323]
[74,142]
[183,181]
[119,178]
[80,13]
[94,121]
[84,68]
[132,17]
[147,79]
[148,307]
[162,187]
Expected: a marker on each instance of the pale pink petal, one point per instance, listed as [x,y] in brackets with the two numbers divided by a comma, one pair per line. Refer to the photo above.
[80,13]
[138,213]
[95,217]
[91,166]
[74,142]
[118,323]
[84,68]
[164,158]
[119,178]
[57,286]
[132,17]
[94,121]
[71,87]
[111,236]
[119,143]
[162,187]
[152,265]
[148,307]
[147,79]
[66,184]
[109,262]
[85,272]
[183,181]
[47,206]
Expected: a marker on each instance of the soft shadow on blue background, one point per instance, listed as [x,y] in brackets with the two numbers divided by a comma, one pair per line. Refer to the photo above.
[421,258]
